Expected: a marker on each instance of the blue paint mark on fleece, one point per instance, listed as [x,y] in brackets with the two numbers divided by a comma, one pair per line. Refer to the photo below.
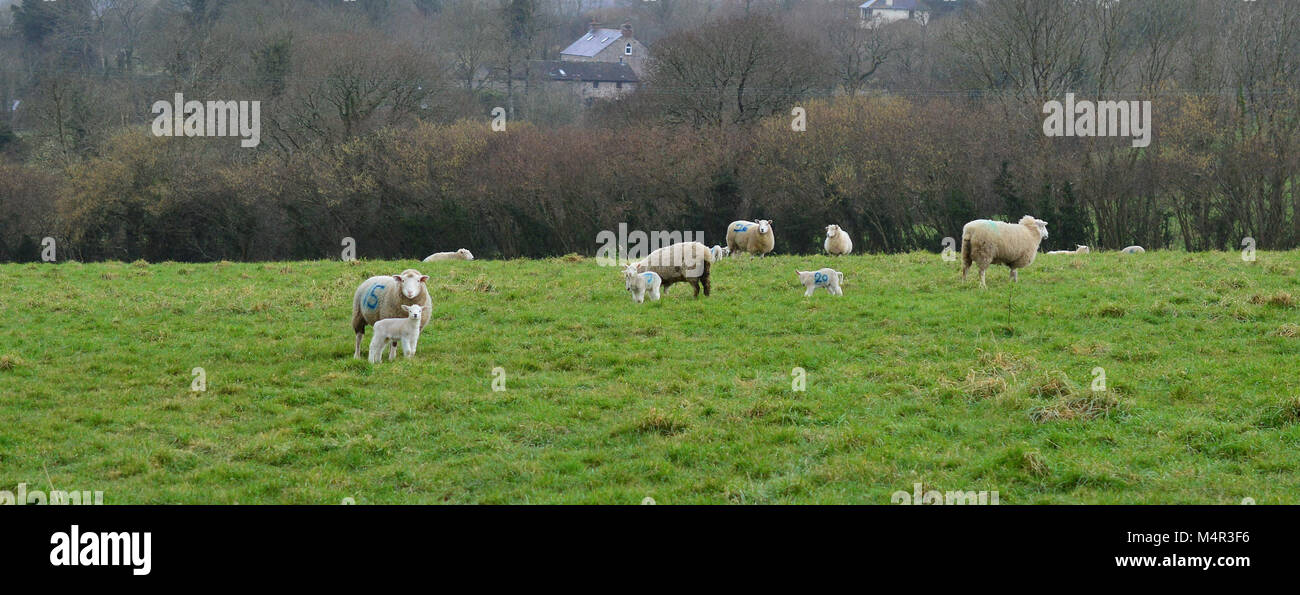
[740,227]
[372,299]
[821,278]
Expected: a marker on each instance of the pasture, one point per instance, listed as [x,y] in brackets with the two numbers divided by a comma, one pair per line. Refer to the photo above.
[911,377]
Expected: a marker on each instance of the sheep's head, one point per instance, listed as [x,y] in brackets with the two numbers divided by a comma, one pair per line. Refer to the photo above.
[414,311]
[412,283]
[764,226]
[1081,249]
[465,254]
[1038,224]
[832,230]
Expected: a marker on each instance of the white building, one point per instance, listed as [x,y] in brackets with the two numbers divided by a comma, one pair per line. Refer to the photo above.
[879,12]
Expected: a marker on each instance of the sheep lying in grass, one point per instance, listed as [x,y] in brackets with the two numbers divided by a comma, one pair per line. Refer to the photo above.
[837,241]
[1134,250]
[830,279]
[754,237]
[461,254]
[391,331]
[688,262]
[383,296]
[1078,249]
[985,242]
[642,284]
[717,253]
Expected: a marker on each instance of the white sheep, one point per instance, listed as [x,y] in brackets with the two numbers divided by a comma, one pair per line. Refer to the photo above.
[1078,249]
[717,253]
[688,262]
[383,296]
[1134,250]
[754,237]
[837,241]
[461,254]
[642,284]
[830,279]
[986,242]
[391,331]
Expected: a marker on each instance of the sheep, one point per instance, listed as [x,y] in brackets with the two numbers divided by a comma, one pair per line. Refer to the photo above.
[688,262]
[754,237]
[831,279]
[985,242]
[383,296]
[1134,250]
[717,253]
[837,241]
[461,254]
[391,331]
[642,284]
[1078,249]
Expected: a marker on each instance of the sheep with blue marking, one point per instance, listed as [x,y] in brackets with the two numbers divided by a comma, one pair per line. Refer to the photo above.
[384,296]
[985,242]
[390,332]
[642,284]
[826,278]
[754,237]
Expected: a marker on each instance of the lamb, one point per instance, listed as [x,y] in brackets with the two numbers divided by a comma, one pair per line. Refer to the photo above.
[754,237]
[1134,250]
[641,284]
[1078,249]
[717,253]
[688,262]
[985,242]
[461,254]
[383,296]
[391,331]
[837,241]
[830,279]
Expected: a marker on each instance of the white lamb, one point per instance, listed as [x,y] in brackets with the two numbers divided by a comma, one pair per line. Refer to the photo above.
[1133,250]
[1078,249]
[830,279]
[642,284]
[837,241]
[391,331]
[461,254]
[717,252]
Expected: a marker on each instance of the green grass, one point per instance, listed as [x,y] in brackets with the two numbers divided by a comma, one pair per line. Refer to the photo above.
[911,377]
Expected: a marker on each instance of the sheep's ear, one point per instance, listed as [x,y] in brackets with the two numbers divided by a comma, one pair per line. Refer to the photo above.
[406,307]
[398,278]
[424,278]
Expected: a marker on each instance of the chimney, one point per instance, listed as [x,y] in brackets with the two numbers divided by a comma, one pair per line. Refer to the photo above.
[593,25]
[627,30]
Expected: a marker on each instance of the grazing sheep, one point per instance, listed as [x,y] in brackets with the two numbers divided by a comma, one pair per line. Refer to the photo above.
[641,284]
[1078,249]
[1134,250]
[985,242]
[391,331]
[686,262]
[461,254]
[754,237]
[838,241]
[717,253]
[383,296]
[827,278]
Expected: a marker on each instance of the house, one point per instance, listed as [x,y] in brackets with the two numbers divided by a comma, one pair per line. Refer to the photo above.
[588,80]
[614,46]
[879,12]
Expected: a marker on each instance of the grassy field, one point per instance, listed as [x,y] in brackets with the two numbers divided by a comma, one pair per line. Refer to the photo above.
[910,377]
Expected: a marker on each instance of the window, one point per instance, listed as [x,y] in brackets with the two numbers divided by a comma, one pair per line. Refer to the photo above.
[628,50]
[618,85]
[595,84]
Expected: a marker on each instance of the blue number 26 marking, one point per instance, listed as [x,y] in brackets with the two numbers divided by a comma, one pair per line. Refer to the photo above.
[372,299]
[741,227]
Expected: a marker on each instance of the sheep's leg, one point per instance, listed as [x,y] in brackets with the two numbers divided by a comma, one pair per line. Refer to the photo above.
[357,353]
[1014,275]
[810,291]
[983,268]
[654,294]
[708,284]
[696,284]
[408,348]
[392,351]
[376,350]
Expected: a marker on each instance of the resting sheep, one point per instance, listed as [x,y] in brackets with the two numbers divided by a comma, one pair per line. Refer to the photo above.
[642,284]
[1134,250]
[985,242]
[754,237]
[383,296]
[391,331]
[686,262]
[1078,249]
[461,254]
[827,278]
[837,241]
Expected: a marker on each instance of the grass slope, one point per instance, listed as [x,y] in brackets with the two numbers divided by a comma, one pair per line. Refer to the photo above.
[911,377]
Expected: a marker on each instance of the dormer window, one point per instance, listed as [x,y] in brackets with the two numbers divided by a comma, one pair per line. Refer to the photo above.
[628,50]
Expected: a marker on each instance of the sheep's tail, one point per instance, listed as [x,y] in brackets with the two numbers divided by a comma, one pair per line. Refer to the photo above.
[965,247]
